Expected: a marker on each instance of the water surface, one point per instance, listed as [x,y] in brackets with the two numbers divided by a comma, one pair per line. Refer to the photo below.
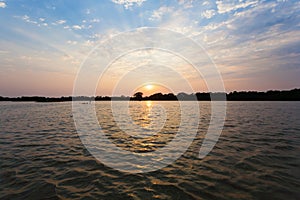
[256,157]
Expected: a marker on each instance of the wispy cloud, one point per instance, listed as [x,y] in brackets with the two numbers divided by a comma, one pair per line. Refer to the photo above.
[61,21]
[186,3]
[157,14]
[128,3]
[27,19]
[228,6]
[208,13]
[95,20]
[38,21]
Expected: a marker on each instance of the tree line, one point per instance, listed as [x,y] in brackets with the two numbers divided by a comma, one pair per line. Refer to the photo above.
[271,95]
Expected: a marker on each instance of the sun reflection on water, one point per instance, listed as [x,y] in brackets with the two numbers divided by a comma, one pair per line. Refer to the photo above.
[149,104]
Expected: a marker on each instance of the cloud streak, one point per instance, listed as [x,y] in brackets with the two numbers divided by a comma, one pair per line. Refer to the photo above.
[229,5]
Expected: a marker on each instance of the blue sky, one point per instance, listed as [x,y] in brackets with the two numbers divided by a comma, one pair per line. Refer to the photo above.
[254,44]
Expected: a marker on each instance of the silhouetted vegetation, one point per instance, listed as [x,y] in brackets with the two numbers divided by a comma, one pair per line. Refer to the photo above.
[137,96]
[272,95]
[161,97]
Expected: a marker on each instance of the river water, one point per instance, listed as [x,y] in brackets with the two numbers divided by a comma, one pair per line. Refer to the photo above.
[256,157]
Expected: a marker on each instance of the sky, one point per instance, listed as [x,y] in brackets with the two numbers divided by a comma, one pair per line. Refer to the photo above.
[253,44]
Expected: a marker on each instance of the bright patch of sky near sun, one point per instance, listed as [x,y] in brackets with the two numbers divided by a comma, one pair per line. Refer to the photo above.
[255,44]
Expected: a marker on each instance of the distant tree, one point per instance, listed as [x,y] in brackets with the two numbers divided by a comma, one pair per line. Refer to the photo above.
[138,96]
[171,96]
[156,96]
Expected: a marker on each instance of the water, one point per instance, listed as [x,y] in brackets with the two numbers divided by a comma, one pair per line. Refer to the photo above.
[256,157]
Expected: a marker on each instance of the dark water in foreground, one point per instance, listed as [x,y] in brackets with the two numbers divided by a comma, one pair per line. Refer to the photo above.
[256,157]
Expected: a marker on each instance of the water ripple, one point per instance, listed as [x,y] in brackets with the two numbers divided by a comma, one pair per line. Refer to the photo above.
[256,157]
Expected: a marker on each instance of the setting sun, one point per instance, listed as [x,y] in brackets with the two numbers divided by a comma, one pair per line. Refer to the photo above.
[149,87]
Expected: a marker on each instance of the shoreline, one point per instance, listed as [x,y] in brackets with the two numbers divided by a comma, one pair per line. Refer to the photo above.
[272,95]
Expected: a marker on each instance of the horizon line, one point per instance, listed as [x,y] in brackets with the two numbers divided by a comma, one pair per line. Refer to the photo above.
[126,96]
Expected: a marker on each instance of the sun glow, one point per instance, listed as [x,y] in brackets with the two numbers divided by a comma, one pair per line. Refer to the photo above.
[149,87]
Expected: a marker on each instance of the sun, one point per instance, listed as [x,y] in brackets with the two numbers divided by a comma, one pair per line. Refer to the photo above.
[149,87]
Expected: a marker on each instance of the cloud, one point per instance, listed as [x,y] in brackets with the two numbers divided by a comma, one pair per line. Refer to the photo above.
[252,38]
[26,18]
[128,3]
[228,6]
[33,58]
[61,21]
[157,14]
[4,52]
[186,3]
[28,58]
[95,20]
[87,27]
[39,22]
[208,14]
[3,4]
[205,3]
[71,42]
[76,27]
